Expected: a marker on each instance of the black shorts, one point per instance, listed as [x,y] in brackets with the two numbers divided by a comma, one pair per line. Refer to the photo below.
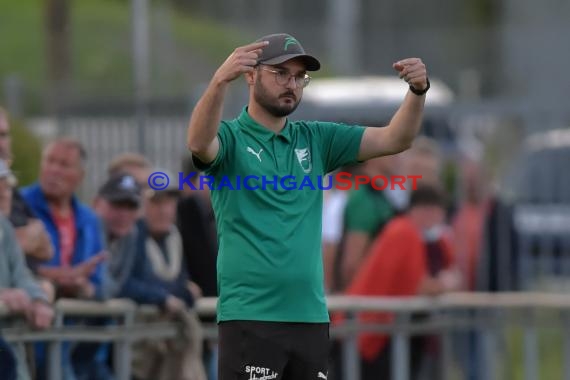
[252,350]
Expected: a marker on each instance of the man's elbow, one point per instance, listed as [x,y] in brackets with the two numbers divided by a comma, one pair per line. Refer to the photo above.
[398,146]
[197,148]
[404,145]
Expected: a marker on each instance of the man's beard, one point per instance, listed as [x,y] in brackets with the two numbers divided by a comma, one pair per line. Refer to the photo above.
[262,97]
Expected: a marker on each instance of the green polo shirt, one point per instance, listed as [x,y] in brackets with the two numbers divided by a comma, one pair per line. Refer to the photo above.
[270,258]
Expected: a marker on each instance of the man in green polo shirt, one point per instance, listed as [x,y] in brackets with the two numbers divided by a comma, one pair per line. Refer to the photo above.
[272,312]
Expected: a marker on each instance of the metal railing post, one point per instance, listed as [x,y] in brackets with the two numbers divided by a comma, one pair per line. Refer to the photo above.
[123,351]
[566,343]
[487,320]
[54,348]
[446,332]
[350,356]
[530,345]
[400,365]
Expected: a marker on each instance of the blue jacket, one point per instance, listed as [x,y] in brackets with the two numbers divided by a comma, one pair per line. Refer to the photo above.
[144,287]
[125,275]
[89,239]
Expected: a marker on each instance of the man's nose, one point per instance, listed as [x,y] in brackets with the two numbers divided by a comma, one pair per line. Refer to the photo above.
[292,82]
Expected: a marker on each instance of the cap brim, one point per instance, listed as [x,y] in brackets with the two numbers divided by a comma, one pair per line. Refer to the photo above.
[151,193]
[311,63]
[122,198]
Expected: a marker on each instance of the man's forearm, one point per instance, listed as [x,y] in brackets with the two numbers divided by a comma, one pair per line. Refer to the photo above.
[53,273]
[206,117]
[406,122]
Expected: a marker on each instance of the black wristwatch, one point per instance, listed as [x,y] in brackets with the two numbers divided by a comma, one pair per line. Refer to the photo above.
[420,92]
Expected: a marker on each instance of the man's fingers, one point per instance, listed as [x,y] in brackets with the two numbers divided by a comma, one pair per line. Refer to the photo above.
[254,46]
[251,55]
[249,63]
[407,62]
[412,69]
[246,69]
[416,75]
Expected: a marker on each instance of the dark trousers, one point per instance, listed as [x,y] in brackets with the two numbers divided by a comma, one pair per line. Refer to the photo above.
[7,361]
[252,350]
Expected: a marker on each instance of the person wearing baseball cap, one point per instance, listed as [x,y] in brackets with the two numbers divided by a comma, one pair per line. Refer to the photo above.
[122,189]
[282,47]
[117,203]
[164,187]
[272,314]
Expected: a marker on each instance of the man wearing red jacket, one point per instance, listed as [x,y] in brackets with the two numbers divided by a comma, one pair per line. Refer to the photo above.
[412,256]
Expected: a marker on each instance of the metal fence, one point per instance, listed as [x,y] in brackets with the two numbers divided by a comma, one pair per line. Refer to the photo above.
[161,139]
[526,244]
[492,317]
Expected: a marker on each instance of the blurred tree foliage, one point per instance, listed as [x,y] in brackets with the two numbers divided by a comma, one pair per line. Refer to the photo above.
[481,12]
[26,149]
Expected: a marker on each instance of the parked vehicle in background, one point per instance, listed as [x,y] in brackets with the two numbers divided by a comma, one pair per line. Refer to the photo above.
[528,240]
[372,101]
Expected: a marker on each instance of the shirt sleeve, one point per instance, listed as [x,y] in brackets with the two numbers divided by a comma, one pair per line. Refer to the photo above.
[97,277]
[21,276]
[226,140]
[340,143]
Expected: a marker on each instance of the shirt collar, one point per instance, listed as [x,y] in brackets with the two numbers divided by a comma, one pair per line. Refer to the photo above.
[261,132]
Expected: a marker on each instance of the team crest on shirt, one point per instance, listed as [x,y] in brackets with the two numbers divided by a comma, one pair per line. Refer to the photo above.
[304,158]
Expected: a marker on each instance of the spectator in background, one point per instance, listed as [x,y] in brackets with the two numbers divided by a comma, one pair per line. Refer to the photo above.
[367,212]
[129,270]
[5,139]
[135,164]
[468,221]
[200,190]
[20,293]
[412,256]
[32,238]
[161,242]
[75,231]
[7,181]
[197,226]
[423,158]
[8,364]
[117,204]
[334,203]
[31,234]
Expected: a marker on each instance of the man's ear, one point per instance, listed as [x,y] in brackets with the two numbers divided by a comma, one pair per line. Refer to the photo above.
[249,78]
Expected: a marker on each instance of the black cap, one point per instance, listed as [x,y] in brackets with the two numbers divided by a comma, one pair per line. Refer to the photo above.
[121,188]
[283,47]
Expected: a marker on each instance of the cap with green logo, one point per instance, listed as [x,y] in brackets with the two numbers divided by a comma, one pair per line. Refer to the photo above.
[283,47]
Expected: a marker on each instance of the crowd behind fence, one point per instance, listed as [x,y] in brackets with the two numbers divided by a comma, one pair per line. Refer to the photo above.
[490,315]
[524,247]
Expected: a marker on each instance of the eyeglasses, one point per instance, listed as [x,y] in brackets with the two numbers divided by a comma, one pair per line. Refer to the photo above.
[282,77]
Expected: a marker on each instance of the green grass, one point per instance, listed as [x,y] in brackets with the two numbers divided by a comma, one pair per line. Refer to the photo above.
[22,41]
[101,55]
[549,349]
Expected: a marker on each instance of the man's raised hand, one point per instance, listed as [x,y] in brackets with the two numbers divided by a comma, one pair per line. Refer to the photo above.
[241,61]
[413,71]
